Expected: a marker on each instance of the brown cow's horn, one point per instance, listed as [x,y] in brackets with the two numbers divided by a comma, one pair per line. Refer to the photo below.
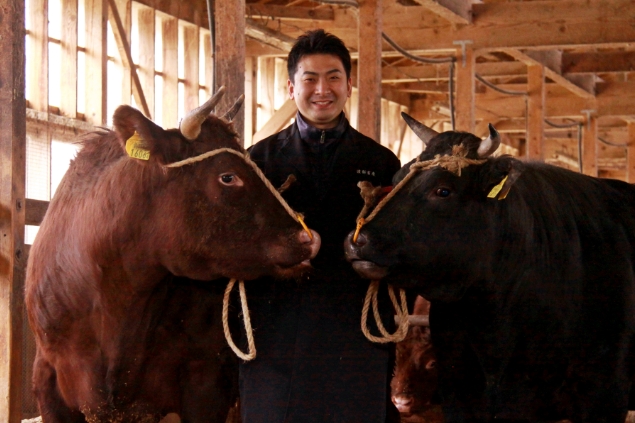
[229,115]
[489,144]
[190,126]
[424,133]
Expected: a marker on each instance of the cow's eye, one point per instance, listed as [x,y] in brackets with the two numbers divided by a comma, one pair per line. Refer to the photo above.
[443,192]
[230,179]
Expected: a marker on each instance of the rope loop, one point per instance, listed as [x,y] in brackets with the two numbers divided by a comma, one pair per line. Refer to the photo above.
[400,309]
[247,321]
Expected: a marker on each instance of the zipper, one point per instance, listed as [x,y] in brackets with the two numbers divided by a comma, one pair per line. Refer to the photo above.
[322,137]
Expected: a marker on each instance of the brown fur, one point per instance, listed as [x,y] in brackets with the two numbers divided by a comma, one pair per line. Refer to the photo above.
[123,332]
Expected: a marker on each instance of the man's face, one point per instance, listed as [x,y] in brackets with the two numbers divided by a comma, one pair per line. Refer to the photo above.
[320,89]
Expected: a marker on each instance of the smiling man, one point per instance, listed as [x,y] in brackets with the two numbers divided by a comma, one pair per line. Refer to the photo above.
[314,365]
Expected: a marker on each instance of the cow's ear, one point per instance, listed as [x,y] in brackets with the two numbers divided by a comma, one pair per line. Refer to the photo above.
[130,124]
[499,175]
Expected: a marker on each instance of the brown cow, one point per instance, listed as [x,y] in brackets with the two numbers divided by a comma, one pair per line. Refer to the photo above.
[125,332]
[414,382]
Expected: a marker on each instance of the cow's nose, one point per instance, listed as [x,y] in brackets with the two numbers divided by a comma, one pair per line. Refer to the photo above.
[361,240]
[314,241]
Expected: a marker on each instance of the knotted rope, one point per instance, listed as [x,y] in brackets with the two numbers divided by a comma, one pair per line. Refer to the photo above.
[243,297]
[453,163]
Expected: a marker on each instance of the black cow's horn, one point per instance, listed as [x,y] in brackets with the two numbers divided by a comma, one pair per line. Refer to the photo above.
[489,144]
[229,115]
[190,126]
[424,133]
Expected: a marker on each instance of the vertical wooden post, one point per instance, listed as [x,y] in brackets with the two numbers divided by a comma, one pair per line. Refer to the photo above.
[170,72]
[38,55]
[124,7]
[589,146]
[369,70]
[96,15]
[250,105]
[230,55]
[266,89]
[68,101]
[12,191]
[146,55]
[630,153]
[465,83]
[191,55]
[535,111]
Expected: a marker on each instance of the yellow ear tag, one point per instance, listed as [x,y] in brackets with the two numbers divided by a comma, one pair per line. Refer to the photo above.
[133,147]
[494,192]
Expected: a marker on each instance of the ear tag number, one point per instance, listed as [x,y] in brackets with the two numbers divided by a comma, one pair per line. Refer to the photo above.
[494,192]
[133,147]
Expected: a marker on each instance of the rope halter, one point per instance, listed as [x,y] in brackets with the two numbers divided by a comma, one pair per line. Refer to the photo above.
[243,297]
[453,163]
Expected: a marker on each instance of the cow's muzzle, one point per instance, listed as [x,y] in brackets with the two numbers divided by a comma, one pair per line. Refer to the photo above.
[365,268]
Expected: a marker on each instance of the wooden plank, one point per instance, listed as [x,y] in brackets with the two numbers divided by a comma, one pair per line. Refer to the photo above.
[68,101]
[190,66]
[96,61]
[146,22]
[35,211]
[37,64]
[266,89]
[630,153]
[170,29]
[260,10]
[251,93]
[369,76]
[278,121]
[598,62]
[535,111]
[230,55]
[208,64]
[268,36]
[465,83]
[12,190]
[126,57]
[589,146]
[124,7]
[455,11]
[551,74]
[522,24]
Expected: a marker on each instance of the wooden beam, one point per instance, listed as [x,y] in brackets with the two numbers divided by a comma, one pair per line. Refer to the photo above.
[124,51]
[251,103]
[369,77]
[124,8]
[12,192]
[535,111]
[230,55]
[455,11]
[424,73]
[465,83]
[190,68]
[35,211]
[278,121]
[630,153]
[68,76]
[37,64]
[589,146]
[96,61]
[170,29]
[260,10]
[598,62]
[550,73]
[146,22]
[268,36]
[266,89]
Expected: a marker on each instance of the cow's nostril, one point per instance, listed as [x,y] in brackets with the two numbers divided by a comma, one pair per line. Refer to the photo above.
[361,240]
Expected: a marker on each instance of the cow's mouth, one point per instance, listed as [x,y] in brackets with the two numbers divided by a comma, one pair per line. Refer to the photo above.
[369,270]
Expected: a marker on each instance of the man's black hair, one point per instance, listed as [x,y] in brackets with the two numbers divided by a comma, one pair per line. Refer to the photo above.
[317,42]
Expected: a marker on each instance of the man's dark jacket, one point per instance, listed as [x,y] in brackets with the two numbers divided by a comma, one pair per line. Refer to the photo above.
[313,363]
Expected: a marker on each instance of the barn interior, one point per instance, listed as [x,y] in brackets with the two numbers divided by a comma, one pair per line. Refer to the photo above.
[555,77]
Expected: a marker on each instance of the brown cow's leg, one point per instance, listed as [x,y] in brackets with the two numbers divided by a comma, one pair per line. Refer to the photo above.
[52,407]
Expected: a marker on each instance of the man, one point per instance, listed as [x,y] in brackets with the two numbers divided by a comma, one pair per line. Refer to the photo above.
[313,363]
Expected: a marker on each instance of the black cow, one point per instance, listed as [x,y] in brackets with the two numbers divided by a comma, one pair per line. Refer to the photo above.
[532,291]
